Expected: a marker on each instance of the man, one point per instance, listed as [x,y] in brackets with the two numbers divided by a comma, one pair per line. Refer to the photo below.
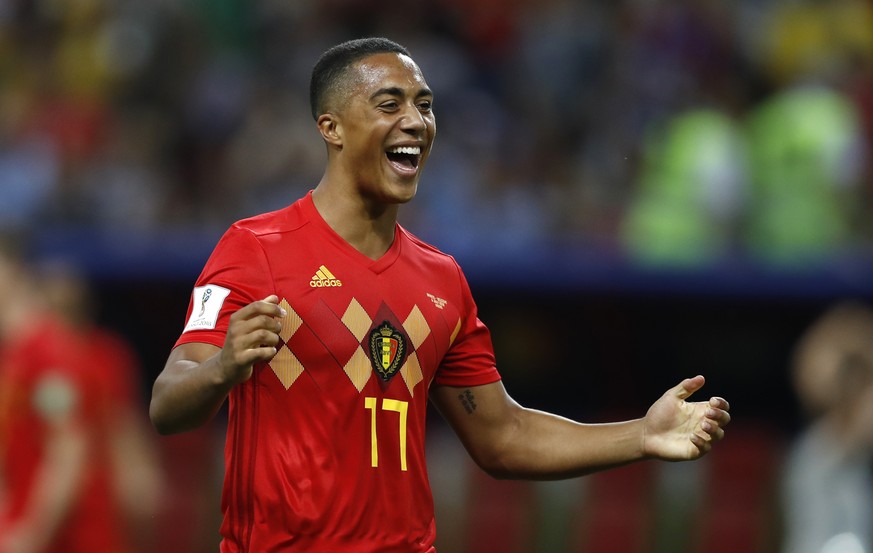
[826,483]
[328,327]
[114,368]
[55,492]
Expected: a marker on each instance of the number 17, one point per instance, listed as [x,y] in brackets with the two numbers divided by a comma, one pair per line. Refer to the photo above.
[401,407]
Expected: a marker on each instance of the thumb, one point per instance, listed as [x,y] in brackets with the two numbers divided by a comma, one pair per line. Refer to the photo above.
[272,298]
[684,389]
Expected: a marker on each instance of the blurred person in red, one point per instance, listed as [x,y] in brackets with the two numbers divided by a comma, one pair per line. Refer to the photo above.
[827,487]
[137,478]
[55,492]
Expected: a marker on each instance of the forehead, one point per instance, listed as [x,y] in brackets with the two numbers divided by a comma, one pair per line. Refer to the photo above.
[387,70]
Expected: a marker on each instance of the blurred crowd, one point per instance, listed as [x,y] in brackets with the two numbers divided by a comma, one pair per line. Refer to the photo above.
[673,130]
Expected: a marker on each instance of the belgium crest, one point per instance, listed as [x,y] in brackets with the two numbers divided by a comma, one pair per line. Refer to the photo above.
[387,350]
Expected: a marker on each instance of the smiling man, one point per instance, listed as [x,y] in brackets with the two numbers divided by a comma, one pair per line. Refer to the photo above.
[328,328]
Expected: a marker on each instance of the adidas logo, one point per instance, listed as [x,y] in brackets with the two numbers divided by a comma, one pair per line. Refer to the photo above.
[323,278]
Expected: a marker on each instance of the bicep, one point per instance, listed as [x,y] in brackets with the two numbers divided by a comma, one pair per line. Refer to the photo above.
[184,395]
[483,417]
[190,353]
[181,370]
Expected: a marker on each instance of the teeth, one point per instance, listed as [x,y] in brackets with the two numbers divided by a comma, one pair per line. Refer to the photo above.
[413,150]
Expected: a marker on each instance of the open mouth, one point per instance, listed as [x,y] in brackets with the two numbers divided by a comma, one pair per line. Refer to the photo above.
[405,158]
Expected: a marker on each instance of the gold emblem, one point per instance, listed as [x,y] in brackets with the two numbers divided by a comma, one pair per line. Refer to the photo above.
[387,350]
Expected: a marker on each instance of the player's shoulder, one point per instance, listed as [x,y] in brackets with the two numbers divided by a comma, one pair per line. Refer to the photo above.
[428,251]
[286,219]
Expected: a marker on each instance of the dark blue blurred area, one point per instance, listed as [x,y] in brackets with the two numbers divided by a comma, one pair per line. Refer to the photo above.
[177,255]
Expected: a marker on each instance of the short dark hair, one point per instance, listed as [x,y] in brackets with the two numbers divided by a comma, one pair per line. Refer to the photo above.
[334,62]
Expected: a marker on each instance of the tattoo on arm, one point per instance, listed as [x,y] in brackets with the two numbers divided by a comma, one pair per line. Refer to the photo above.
[468,400]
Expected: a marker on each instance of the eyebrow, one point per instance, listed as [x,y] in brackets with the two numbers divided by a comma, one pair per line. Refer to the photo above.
[397,91]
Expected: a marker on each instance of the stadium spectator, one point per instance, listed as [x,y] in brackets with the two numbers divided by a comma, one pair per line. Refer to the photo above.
[806,157]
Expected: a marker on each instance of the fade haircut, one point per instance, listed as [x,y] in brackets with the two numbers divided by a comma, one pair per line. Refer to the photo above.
[332,66]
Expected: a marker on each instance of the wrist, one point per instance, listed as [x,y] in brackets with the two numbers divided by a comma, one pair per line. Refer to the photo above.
[227,374]
[643,440]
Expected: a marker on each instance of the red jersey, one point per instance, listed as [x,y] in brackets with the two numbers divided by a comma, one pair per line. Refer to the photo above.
[325,444]
[45,374]
[116,367]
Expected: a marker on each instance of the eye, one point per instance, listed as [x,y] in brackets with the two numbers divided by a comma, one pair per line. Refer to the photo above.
[425,106]
[390,105]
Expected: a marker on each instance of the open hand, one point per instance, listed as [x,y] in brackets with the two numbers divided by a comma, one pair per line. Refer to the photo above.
[678,430]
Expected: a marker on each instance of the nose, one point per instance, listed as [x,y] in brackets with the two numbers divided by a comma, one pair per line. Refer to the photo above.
[413,121]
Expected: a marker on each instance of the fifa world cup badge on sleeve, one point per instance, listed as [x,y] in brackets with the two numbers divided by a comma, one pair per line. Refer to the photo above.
[206,302]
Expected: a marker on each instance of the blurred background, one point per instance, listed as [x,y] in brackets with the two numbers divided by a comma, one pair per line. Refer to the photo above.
[638,190]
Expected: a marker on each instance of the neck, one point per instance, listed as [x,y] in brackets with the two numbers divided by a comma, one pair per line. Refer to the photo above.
[367,225]
[17,315]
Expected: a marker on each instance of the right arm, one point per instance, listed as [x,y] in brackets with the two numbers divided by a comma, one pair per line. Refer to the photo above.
[197,377]
[67,447]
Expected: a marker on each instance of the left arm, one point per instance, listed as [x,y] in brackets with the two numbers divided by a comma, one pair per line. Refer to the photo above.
[511,441]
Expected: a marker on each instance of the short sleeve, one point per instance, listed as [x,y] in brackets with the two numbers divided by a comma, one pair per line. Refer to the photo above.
[235,275]
[470,360]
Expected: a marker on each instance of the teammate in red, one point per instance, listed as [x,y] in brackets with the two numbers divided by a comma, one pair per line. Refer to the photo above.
[329,327]
[134,470]
[56,492]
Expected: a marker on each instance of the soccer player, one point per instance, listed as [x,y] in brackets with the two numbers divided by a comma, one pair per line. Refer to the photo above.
[137,479]
[56,495]
[328,327]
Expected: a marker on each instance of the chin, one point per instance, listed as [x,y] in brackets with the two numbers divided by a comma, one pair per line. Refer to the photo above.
[401,193]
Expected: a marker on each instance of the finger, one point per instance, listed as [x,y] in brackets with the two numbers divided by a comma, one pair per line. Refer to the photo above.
[719,416]
[268,306]
[265,322]
[719,403]
[246,357]
[273,302]
[273,299]
[684,389]
[710,425]
[254,346]
[263,337]
[712,432]
[256,355]
[245,327]
[702,444]
[248,333]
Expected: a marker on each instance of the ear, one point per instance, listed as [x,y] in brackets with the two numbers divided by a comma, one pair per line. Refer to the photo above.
[330,128]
